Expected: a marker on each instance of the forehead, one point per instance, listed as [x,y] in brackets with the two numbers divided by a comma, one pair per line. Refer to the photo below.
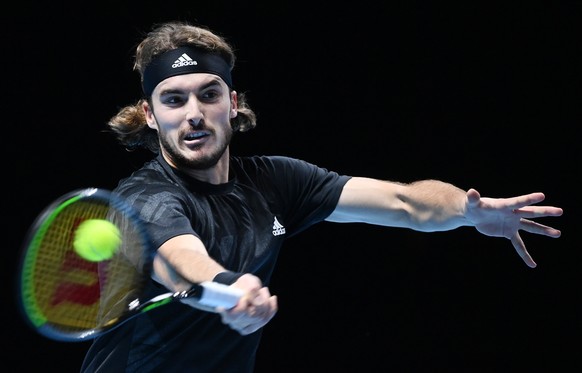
[189,82]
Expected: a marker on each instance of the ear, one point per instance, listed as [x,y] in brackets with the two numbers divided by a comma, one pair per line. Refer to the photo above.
[233,104]
[149,115]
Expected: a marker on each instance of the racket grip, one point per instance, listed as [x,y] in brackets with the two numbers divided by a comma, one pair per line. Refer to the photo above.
[215,294]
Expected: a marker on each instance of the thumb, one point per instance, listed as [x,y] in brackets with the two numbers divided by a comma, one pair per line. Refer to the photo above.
[473,197]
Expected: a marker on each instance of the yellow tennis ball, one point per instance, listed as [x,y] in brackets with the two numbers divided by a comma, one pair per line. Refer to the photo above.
[96,240]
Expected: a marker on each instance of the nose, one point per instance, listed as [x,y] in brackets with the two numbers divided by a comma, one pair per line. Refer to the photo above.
[193,111]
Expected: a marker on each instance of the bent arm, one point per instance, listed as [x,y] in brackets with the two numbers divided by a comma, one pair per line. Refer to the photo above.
[183,261]
[427,205]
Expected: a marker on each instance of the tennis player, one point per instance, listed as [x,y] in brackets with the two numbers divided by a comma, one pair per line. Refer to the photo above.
[215,216]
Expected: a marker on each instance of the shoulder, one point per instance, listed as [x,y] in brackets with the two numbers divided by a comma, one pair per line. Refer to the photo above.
[151,178]
[284,172]
[270,163]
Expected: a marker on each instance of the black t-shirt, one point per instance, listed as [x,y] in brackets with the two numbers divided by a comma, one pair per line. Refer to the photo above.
[243,224]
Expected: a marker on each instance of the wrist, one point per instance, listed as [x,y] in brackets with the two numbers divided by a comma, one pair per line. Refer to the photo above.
[227,277]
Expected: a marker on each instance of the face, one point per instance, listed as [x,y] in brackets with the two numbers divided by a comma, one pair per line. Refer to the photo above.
[192,115]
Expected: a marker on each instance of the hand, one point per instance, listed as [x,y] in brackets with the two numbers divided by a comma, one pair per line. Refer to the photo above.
[254,310]
[505,217]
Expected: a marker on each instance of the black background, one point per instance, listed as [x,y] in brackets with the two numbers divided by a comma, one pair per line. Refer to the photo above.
[479,94]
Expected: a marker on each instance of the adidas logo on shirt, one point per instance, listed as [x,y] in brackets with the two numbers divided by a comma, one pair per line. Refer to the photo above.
[278,228]
[184,60]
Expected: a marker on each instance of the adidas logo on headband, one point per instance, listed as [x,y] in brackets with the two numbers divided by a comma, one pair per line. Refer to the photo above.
[184,60]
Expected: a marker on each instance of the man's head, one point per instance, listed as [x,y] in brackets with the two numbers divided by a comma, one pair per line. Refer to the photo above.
[174,49]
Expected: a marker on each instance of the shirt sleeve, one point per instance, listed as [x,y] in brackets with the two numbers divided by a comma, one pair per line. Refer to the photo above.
[160,204]
[303,192]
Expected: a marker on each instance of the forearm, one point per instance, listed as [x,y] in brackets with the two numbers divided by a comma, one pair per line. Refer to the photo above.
[427,205]
[179,263]
[183,261]
[433,205]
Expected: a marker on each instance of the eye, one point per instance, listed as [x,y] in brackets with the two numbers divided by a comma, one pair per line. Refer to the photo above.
[210,95]
[172,99]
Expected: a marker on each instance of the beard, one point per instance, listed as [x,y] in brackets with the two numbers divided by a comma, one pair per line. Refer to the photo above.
[208,160]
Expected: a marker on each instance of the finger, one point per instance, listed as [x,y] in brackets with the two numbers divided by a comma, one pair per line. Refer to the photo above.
[525,200]
[521,250]
[538,211]
[274,305]
[267,307]
[249,329]
[233,316]
[537,228]
[271,308]
[257,311]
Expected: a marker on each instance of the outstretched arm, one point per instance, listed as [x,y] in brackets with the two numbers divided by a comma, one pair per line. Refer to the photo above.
[432,205]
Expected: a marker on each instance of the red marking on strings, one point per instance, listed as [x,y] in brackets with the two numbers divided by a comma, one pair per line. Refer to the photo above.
[82,294]
[74,292]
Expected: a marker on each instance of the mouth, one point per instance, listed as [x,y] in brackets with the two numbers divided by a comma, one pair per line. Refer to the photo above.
[195,136]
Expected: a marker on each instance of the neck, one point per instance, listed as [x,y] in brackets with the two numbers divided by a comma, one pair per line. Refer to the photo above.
[217,174]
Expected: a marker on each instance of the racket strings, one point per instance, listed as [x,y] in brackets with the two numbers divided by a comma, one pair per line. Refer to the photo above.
[68,294]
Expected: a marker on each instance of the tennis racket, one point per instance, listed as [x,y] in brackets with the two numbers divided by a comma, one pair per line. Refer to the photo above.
[67,298]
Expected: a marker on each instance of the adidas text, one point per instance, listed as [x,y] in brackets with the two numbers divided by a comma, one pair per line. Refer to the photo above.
[184,63]
[184,60]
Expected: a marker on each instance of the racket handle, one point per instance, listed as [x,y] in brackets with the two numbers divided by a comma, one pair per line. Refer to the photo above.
[215,294]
